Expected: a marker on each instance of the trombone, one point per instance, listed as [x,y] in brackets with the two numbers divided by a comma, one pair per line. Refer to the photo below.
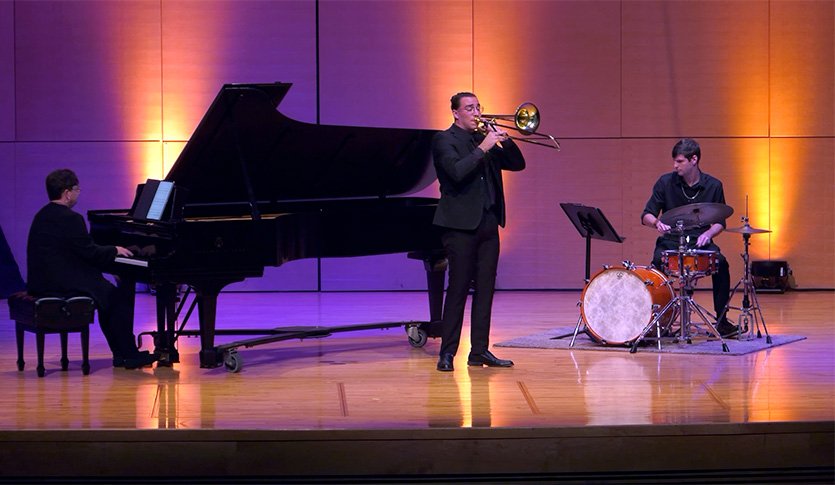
[525,121]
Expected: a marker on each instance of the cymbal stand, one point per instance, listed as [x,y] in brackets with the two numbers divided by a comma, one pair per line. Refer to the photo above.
[751,315]
[684,303]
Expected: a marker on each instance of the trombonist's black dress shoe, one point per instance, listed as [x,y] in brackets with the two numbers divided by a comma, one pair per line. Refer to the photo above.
[488,359]
[445,363]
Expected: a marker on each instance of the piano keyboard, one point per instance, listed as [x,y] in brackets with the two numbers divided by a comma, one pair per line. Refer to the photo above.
[132,262]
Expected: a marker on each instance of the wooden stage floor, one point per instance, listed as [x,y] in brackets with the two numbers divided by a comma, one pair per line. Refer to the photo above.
[366,404]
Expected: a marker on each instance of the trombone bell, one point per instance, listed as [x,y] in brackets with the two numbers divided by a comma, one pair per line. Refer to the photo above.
[525,120]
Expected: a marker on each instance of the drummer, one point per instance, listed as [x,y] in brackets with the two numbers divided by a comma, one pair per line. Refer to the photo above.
[687,184]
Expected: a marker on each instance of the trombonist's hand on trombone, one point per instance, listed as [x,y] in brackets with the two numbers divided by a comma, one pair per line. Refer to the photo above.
[492,137]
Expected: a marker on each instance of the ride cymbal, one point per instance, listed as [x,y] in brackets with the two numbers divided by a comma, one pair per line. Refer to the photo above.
[695,215]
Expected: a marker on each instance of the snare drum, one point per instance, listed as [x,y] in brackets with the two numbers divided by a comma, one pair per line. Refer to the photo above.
[617,303]
[697,262]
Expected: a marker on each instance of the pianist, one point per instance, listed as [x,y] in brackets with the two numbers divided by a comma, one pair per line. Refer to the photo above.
[64,261]
[469,166]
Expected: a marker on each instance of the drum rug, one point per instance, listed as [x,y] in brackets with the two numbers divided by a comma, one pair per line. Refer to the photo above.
[700,345]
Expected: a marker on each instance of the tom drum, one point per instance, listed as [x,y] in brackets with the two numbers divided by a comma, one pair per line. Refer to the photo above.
[697,262]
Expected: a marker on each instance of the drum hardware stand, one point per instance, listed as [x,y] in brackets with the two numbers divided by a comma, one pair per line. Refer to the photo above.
[655,323]
[751,315]
[683,302]
[576,327]
[591,224]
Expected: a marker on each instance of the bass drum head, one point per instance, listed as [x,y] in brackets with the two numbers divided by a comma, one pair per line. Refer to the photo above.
[616,306]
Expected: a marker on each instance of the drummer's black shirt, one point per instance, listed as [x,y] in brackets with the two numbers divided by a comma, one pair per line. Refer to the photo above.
[670,191]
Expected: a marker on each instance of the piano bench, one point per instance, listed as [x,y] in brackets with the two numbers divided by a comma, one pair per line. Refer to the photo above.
[52,315]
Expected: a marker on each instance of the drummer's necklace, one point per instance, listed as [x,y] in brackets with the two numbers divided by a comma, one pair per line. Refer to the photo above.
[687,196]
[699,191]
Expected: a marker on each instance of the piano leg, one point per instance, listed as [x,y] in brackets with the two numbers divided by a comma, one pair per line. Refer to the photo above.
[207,311]
[164,341]
[435,265]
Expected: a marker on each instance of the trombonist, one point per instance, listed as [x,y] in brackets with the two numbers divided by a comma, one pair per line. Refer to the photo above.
[471,209]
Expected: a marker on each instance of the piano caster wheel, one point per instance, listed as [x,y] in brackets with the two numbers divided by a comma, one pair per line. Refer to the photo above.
[232,361]
[417,336]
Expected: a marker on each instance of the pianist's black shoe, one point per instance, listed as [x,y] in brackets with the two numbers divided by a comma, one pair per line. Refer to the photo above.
[119,360]
[140,359]
[445,363]
[488,359]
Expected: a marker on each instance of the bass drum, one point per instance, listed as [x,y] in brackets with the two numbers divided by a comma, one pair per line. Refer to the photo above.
[617,303]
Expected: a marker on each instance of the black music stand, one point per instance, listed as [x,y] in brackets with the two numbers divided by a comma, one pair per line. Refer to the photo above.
[591,224]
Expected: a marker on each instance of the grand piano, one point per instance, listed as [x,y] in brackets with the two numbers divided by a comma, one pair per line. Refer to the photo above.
[253,188]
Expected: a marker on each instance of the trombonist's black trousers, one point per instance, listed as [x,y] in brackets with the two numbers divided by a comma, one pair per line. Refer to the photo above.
[473,256]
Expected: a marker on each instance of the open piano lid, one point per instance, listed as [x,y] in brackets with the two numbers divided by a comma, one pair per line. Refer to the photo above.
[245,150]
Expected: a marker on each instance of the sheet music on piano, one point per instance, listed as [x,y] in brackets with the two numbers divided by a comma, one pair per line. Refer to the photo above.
[153,200]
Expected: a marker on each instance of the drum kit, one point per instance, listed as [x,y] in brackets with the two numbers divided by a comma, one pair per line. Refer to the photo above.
[632,304]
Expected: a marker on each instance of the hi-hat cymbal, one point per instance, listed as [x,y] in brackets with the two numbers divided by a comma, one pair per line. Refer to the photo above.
[746,229]
[695,215]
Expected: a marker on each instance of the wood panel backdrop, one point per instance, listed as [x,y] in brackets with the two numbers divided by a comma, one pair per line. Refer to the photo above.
[114,88]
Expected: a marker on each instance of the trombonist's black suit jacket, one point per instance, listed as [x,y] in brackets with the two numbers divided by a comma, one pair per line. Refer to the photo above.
[458,165]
